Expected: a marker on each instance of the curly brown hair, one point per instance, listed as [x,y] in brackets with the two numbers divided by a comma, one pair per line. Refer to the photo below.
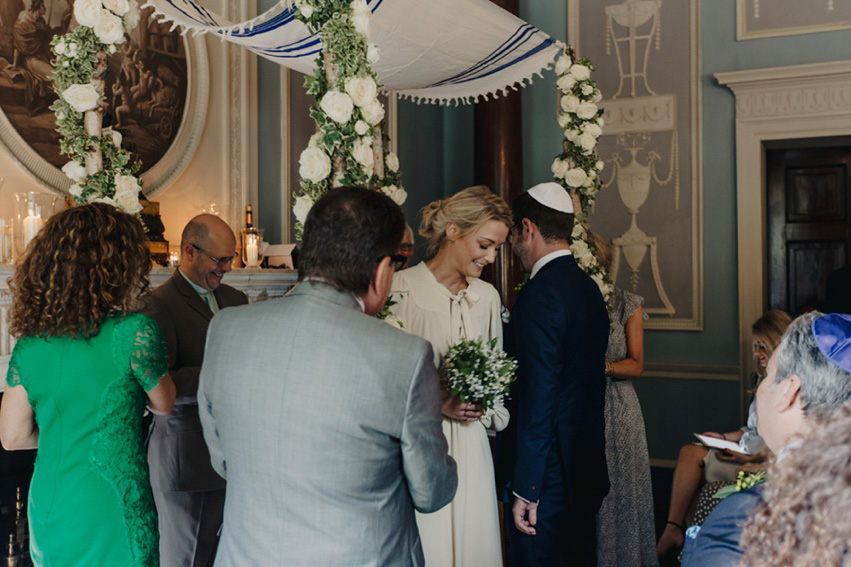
[803,518]
[87,263]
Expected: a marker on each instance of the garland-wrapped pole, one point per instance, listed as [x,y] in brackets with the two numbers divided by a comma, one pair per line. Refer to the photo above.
[349,146]
[93,119]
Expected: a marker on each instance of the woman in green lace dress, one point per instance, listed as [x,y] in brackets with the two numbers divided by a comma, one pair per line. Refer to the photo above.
[81,373]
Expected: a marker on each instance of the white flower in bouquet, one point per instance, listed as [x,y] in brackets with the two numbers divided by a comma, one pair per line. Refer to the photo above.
[373,53]
[563,119]
[373,112]
[566,82]
[360,19]
[302,206]
[88,12]
[114,135]
[592,129]
[578,231]
[587,142]
[398,194]
[132,17]
[559,168]
[587,110]
[580,72]
[563,64]
[478,372]
[59,48]
[338,106]
[363,90]
[362,152]
[112,50]
[119,7]
[74,171]
[361,128]
[72,49]
[392,161]
[81,97]
[127,193]
[110,28]
[570,103]
[572,134]
[306,8]
[579,248]
[75,190]
[599,165]
[587,89]
[575,177]
[314,165]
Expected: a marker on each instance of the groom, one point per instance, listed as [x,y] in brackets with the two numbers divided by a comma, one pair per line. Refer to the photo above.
[554,452]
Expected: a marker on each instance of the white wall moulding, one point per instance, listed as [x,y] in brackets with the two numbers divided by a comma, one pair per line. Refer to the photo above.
[651,206]
[757,19]
[781,103]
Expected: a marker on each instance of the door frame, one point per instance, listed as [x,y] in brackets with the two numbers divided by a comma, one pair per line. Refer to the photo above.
[778,103]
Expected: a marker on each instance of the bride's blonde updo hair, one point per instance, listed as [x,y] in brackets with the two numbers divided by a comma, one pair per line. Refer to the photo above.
[470,208]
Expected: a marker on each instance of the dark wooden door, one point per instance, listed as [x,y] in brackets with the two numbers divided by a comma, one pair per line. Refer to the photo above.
[809,234]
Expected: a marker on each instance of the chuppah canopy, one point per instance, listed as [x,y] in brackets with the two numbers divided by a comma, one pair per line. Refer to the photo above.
[435,51]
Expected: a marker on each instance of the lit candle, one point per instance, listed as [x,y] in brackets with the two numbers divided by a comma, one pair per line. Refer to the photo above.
[173,259]
[251,250]
[32,224]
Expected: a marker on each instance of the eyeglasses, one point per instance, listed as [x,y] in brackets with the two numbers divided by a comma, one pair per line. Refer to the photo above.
[224,260]
[397,261]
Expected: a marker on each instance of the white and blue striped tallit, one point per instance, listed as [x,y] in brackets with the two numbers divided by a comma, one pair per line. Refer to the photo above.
[431,50]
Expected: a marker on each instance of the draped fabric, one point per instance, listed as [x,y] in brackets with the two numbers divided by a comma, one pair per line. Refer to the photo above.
[435,51]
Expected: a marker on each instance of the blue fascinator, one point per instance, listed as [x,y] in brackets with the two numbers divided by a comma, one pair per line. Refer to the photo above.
[832,333]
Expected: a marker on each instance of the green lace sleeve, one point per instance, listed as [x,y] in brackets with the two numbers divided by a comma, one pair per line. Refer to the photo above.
[139,346]
[13,375]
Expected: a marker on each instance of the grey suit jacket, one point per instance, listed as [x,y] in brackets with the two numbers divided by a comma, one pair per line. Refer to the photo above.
[326,423]
[177,455]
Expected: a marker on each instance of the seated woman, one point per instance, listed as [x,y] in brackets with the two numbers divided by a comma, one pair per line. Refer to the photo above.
[83,370]
[698,464]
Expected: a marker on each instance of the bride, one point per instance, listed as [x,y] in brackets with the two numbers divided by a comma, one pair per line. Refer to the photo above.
[443,300]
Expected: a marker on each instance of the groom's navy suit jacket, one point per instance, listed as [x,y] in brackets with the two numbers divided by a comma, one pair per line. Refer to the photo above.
[558,332]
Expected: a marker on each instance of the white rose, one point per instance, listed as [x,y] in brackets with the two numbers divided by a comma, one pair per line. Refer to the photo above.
[361,23]
[587,110]
[88,12]
[72,50]
[301,207]
[81,97]
[600,165]
[571,135]
[600,121]
[132,17]
[127,194]
[579,248]
[114,134]
[316,141]
[586,142]
[76,190]
[566,82]
[392,161]
[575,177]
[398,194]
[559,168]
[59,48]
[112,50]
[305,8]
[373,112]
[587,89]
[110,28]
[338,106]
[373,53]
[570,103]
[592,129]
[580,72]
[362,152]
[563,119]
[598,279]
[361,127]
[93,198]
[563,64]
[314,165]
[74,171]
[598,96]
[578,231]
[119,7]
[363,90]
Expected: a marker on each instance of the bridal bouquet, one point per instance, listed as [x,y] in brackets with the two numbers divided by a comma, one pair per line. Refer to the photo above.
[478,372]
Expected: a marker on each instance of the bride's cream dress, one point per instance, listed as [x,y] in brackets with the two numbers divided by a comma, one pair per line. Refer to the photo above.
[466,532]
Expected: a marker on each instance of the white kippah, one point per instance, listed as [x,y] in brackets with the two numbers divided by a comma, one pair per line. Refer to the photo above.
[552,195]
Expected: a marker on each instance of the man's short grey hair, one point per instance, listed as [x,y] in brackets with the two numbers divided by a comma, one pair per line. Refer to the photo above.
[824,386]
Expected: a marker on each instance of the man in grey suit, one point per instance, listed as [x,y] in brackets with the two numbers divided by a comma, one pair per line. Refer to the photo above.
[188,493]
[324,420]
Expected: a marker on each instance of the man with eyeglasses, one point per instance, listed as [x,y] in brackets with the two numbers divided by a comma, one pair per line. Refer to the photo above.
[188,493]
[325,420]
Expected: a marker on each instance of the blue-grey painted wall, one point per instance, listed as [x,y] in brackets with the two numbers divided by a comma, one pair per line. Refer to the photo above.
[436,154]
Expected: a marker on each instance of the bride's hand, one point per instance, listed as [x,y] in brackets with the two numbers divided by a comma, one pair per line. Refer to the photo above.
[454,408]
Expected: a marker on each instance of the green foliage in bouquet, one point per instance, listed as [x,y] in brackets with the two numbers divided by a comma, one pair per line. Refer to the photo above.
[478,372]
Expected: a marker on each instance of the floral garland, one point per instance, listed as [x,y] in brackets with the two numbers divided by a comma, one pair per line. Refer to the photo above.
[348,114]
[79,64]
[578,168]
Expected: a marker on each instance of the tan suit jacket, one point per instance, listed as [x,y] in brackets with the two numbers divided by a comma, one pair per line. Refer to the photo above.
[177,455]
